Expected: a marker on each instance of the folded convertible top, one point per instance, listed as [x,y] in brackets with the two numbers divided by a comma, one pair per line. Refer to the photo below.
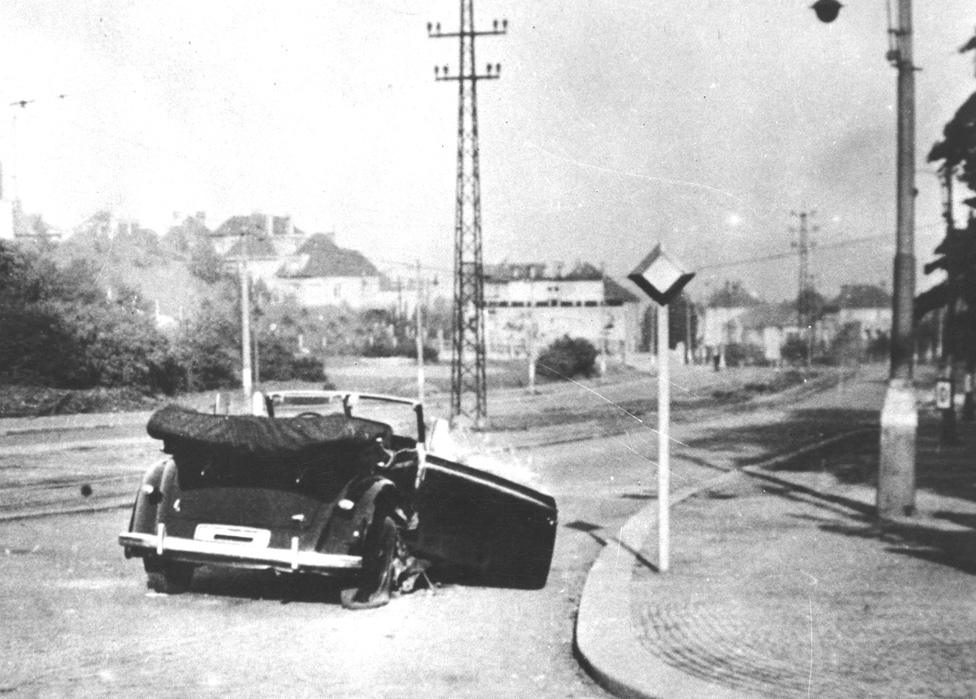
[182,429]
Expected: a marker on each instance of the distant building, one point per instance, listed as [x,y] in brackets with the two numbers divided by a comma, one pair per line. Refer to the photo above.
[722,319]
[767,327]
[321,273]
[734,316]
[536,302]
[279,232]
[312,269]
[866,305]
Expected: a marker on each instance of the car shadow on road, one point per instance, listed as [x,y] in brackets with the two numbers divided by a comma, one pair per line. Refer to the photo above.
[266,585]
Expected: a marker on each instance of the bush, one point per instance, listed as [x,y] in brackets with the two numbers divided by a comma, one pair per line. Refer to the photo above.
[278,363]
[795,350]
[431,355]
[307,369]
[567,357]
[737,354]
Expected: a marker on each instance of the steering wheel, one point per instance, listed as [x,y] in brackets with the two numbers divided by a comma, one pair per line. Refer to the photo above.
[308,414]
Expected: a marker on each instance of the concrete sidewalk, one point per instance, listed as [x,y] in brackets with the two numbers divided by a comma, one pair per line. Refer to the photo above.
[782,584]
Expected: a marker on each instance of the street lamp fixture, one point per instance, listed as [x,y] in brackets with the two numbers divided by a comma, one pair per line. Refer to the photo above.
[826,10]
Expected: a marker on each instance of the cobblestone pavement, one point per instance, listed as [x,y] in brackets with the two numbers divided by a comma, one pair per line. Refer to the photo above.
[782,584]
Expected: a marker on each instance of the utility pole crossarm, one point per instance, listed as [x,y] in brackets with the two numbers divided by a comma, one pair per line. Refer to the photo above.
[457,78]
[499,27]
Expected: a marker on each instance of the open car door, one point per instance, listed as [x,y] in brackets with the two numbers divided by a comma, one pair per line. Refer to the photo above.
[499,530]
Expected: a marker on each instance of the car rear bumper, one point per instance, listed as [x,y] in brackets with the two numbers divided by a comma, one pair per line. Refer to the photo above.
[236,555]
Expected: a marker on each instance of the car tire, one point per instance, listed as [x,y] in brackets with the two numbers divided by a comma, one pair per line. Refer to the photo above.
[376,579]
[168,577]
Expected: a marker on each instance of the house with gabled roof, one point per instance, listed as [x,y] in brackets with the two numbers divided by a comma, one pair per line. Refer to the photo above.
[866,305]
[767,326]
[310,268]
[532,304]
[320,273]
[721,321]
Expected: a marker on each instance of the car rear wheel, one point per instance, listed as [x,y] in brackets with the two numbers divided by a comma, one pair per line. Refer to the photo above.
[376,579]
[168,577]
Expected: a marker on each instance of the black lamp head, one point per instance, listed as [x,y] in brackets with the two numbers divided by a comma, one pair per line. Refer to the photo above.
[827,10]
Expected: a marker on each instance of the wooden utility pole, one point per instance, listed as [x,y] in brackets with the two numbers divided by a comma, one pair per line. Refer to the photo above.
[247,378]
[899,417]
[420,336]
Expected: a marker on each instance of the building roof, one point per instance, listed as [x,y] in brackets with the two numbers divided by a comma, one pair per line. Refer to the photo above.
[517,271]
[862,296]
[514,271]
[323,258]
[257,225]
[191,226]
[612,291]
[733,295]
[769,315]
[258,247]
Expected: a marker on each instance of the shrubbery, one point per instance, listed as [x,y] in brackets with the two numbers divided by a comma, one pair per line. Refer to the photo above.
[738,354]
[567,357]
[62,329]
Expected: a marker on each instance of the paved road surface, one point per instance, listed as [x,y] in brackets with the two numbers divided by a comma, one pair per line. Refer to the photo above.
[79,620]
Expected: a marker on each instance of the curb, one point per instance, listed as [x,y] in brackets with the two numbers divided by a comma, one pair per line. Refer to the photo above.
[605,640]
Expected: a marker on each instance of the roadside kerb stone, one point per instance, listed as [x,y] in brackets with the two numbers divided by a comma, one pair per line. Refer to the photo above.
[606,640]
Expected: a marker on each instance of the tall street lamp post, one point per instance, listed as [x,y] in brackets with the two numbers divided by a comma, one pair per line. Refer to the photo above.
[899,417]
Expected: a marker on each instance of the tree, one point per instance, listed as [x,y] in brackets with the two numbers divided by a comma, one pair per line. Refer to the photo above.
[956,254]
[60,329]
[205,263]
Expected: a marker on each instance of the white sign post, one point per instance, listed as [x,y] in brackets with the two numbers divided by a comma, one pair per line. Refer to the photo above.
[662,278]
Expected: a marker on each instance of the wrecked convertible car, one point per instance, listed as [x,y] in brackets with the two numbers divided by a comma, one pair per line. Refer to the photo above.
[313,488]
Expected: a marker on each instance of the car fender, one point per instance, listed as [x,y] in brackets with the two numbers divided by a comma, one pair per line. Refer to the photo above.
[148,499]
[355,510]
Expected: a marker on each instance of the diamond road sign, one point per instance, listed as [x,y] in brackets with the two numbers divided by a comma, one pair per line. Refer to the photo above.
[660,276]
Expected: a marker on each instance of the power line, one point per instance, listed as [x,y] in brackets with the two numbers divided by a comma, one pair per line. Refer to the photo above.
[782,255]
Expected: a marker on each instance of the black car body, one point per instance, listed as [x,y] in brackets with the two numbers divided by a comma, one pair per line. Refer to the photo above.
[328,492]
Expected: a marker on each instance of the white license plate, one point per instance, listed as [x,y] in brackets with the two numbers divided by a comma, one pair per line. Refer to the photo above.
[229,534]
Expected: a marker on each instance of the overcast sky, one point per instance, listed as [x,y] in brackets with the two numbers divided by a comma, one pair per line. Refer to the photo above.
[616,125]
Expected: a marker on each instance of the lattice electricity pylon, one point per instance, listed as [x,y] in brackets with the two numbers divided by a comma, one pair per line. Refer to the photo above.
[468,384]
[803,246]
